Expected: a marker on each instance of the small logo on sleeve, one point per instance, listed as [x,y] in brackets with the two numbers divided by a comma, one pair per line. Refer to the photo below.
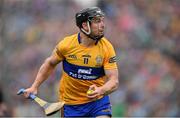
[112,59]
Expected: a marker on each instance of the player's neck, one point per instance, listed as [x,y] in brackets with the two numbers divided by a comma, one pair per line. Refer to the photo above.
[86,41]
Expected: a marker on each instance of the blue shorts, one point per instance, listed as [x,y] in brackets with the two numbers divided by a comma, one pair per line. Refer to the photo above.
[92,109]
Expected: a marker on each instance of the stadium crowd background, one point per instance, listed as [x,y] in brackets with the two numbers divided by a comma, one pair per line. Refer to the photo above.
[145,34]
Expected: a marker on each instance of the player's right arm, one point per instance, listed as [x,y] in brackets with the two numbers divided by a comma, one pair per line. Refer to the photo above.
[45,70]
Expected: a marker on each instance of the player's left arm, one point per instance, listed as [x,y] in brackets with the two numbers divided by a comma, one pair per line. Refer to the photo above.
[110,86]
[112,82]
[111,72]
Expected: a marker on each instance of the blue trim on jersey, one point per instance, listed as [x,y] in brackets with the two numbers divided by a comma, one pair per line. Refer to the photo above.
[83,72]
[79,38]
[92,109]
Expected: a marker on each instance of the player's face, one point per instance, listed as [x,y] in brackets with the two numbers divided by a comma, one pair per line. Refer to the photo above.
[97,26]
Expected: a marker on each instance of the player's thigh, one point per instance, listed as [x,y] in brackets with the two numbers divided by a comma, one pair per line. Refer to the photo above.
[104,116]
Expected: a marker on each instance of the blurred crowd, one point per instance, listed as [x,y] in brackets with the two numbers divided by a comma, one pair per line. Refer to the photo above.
[145,35]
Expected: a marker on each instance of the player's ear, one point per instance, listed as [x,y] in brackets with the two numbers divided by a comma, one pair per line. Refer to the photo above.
[84,26]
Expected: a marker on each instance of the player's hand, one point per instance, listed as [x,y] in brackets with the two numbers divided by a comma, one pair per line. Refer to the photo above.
[28,91]
[94,92]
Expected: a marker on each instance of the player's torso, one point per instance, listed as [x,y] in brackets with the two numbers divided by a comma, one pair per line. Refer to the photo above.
[83,66]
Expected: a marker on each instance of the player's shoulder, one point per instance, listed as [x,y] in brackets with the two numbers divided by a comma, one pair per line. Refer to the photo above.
[105,42]
[68,39]
[67,42]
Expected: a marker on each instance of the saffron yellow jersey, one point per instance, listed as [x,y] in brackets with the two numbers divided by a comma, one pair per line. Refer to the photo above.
[83,67]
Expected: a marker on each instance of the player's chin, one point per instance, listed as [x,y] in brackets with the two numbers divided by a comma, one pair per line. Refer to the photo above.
[101,33]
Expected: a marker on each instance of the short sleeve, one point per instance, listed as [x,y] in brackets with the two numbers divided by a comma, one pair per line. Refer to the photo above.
[59,51]
[110,58]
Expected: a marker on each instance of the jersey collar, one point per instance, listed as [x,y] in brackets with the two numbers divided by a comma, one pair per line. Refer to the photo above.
[79,39]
